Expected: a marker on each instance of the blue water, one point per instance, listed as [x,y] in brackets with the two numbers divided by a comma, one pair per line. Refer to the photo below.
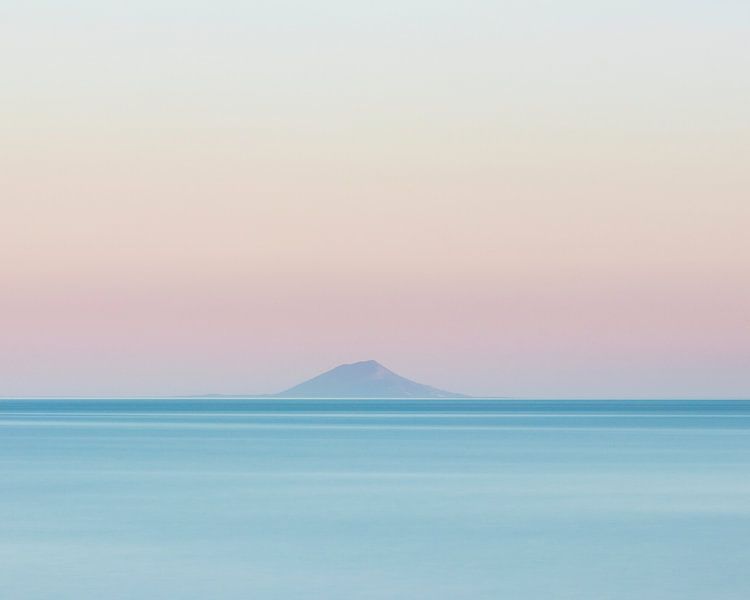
[300,499]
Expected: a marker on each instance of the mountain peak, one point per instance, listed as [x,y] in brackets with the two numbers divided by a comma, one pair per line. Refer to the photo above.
[364,379]
[364,367]
[362,364]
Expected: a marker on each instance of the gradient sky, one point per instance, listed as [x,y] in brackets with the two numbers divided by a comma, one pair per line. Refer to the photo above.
[515,198]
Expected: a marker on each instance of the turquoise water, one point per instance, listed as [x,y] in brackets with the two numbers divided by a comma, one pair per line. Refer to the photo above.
[338,499]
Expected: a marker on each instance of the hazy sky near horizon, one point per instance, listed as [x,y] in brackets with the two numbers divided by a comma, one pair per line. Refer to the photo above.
[514,198]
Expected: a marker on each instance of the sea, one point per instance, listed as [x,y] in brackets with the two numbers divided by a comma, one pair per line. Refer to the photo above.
[254,499]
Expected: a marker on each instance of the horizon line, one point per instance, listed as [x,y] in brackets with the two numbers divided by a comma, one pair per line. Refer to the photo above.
[281,397]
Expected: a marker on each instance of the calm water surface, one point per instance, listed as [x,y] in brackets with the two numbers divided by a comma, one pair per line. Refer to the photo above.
[372,499]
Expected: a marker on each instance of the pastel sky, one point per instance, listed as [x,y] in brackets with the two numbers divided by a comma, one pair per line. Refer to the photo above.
[520,198]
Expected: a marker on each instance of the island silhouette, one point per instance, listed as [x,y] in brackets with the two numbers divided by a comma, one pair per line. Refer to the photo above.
[364,379]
